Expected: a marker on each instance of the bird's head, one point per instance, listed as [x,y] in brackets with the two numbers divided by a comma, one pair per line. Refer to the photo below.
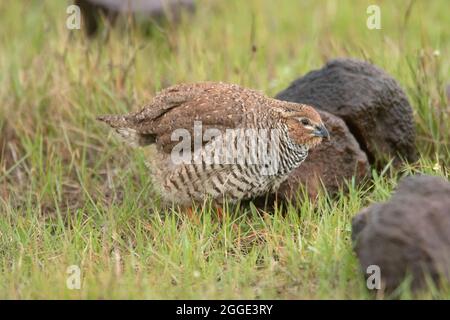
[305,126]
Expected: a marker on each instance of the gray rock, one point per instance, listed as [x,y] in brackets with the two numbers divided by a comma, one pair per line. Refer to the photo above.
[372,104]
[410,233]
[154,9]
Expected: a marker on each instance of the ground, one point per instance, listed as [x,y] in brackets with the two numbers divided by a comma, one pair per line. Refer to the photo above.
[71,194]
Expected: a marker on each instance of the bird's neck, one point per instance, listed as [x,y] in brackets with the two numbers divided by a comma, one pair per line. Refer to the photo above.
[292,154]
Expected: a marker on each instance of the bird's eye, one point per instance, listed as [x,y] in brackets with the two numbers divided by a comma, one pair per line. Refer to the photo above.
[305,121]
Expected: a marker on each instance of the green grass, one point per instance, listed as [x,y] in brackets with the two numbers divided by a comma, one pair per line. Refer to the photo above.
[70,194]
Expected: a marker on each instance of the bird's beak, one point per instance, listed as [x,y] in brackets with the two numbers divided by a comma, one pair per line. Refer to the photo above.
[321,132]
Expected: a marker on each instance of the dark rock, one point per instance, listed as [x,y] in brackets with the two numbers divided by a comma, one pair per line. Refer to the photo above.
[332,163]
[371,103]
[410,233]
[155,9]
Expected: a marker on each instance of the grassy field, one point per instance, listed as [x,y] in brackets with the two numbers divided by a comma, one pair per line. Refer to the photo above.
[71,194]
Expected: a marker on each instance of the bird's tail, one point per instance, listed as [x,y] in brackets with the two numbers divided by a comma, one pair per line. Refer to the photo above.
[126,130]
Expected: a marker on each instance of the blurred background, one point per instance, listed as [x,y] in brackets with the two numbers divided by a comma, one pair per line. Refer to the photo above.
[70,194]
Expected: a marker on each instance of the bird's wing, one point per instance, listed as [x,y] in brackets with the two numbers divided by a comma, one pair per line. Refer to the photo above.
[213,105]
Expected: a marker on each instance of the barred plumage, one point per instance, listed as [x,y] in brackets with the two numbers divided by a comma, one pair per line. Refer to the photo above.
[257,140]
